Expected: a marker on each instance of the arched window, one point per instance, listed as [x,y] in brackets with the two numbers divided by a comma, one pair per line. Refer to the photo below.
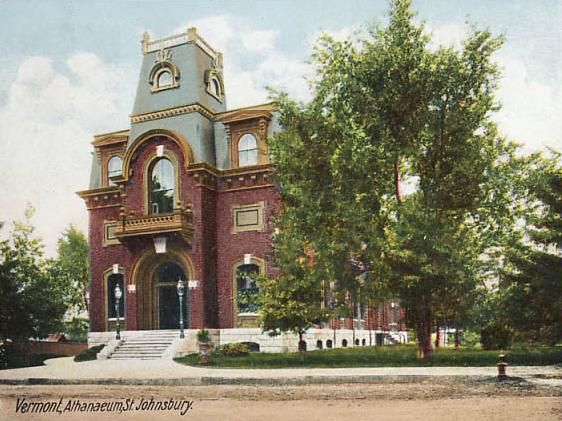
[170,272]
[112,281]
[162,186]
[165,74]
[247,288]
[247,150]
[114,168]
[215,87]
[164,79]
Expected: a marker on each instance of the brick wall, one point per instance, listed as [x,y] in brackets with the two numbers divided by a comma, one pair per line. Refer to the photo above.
[233,246]
[39,347]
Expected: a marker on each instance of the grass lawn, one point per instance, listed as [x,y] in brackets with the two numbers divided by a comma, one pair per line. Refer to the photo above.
[386,356]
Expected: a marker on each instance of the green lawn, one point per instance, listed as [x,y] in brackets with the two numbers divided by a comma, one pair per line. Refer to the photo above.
[386,356]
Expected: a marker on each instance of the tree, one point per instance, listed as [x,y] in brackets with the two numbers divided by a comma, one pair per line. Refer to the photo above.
[71,268]
[386,111]
[531,286]
[31,303]
[291,300]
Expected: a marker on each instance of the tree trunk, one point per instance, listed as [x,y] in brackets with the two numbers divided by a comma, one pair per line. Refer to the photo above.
[423,334]
[301,347]
[438,335]
[457,337]
[397,179]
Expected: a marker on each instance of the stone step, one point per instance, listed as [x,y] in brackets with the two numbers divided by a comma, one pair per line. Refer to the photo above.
[131,350]
[136,357]
[133,356]
[148,345]
[159,338]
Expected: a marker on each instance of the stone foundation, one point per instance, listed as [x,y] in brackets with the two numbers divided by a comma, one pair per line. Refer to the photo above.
[288,342]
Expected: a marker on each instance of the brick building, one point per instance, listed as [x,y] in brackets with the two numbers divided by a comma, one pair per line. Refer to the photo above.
[185,193]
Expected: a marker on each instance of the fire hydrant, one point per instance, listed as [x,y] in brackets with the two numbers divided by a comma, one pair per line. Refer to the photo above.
[501,367]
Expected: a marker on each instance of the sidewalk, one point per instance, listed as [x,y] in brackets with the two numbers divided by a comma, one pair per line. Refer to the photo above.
[167,372]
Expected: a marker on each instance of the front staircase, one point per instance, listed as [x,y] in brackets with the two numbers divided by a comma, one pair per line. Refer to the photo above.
[147,345]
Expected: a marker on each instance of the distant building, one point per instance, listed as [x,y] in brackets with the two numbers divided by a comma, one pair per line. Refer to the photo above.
[185,193]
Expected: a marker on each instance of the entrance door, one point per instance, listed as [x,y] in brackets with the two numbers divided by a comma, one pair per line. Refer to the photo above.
[168,305]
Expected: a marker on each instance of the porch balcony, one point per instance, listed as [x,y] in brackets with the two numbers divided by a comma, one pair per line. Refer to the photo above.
[179,222]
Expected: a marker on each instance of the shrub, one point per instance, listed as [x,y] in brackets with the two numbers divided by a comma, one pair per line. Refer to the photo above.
[77,329]
[496,336]
[203,336]
[88,354]
[234,350]
[470,339]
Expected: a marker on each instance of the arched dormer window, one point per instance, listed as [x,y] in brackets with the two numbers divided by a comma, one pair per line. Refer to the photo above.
[247,150]
[215,87]
[164,79]
[114,168]
[162,186]
[163,76]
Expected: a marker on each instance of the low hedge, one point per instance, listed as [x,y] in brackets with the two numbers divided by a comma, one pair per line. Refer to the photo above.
[233,350]
[386,356]
[89,354]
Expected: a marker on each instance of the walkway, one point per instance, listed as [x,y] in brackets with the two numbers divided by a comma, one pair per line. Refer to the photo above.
[66,371]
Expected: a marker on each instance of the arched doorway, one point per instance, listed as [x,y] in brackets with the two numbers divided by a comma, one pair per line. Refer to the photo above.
[156,277]
[166,296]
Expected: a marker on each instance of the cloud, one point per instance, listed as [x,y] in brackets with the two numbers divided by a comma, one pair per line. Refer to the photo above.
[259,41]
[252,61]
[531,110]
[447,35]
[46,126]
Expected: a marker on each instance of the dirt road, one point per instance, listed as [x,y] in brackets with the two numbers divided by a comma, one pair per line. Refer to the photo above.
[435,400]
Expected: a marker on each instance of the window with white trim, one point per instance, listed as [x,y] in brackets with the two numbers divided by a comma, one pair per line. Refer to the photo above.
[162,186]
[114,168]
[247,150]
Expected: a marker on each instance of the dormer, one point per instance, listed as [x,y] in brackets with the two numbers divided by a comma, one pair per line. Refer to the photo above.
[177,71]
[247,130]
[110,150]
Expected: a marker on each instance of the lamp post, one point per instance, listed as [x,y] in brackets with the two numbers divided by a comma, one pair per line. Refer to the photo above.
[181,288]
[118,295]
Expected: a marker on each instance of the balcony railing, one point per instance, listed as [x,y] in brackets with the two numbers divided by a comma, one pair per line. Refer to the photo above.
[180,222]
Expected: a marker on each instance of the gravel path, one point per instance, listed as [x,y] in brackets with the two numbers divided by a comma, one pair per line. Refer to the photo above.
[436,400]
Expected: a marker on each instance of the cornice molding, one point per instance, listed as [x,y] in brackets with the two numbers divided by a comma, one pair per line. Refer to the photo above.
[84,194]
[260,108]
[172,112]
[112,138]
[203,166]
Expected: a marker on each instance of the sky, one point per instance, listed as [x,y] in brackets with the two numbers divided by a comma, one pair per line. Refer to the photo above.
[69,69]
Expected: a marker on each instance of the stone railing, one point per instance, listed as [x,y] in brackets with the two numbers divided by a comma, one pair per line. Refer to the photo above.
[179,221]
[153,45]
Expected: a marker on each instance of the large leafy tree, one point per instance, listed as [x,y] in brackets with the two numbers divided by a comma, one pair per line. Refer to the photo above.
[291,300]
[389,110]
[31,300]
[71,268]
[531,288]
